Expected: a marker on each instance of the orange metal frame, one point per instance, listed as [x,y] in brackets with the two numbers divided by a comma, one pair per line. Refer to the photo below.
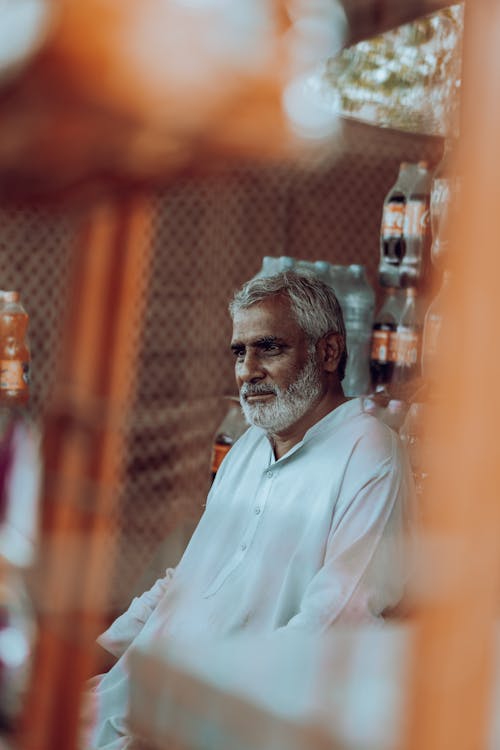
[84,434]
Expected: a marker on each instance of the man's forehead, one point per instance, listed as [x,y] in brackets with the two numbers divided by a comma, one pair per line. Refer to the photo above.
[271,318]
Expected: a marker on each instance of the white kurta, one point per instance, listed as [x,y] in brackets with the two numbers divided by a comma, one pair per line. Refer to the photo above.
[316,538]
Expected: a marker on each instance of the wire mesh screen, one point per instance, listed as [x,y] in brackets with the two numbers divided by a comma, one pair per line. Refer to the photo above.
[209,236]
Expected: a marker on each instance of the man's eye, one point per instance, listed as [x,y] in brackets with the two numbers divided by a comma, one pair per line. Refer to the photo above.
[272,349]
[238,353]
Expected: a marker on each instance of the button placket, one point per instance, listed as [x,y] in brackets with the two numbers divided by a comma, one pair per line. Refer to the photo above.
[260,501]
[258,506]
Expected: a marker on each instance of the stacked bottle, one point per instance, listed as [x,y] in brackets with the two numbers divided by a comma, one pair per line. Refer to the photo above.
[408,341]
[14,351]
[445,191]
[416,229]
[357,299]
[233,425]
[392,241]
[384,340]
[405,249]
[20,473]
[405,234]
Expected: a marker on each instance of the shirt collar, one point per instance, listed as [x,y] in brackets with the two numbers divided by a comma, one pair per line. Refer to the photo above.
[350,408]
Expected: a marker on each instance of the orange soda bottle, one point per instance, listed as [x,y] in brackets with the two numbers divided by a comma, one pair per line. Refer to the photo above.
[232,426]
[14,351]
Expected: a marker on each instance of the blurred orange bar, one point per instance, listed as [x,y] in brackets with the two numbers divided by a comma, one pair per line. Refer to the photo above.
[456,627]
[84,436]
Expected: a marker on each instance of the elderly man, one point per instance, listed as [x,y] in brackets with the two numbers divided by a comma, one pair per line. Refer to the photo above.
[305,522]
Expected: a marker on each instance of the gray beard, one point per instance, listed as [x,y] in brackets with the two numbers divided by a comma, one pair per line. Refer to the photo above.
[288,406]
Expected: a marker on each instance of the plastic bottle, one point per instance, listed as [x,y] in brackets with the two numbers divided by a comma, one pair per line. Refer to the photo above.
[392,241]
[392,411]
[418,445]
[14,351]
[358,304]
[271,266]
[232,426]
[338,280]
[433,326]
[383,342]
[416,229]
[445,189]
[306,267]
[408,341]
[322,269]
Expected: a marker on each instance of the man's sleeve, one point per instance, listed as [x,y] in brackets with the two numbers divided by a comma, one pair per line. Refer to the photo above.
[368,553]
[118,637]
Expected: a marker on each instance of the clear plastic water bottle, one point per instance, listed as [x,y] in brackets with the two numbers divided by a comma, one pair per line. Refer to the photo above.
[273,265]
[306,267]
[445,191]
[357,299]
[322,269]
[337,278]
[419,446]
[433,338]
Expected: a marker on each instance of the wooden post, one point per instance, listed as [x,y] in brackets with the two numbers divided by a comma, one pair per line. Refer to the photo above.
[84,436]
[455,637]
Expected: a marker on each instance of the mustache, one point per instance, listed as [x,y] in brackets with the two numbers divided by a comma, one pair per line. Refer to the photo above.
[257,389]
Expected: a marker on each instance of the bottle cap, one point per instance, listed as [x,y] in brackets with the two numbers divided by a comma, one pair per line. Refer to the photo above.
[9,296]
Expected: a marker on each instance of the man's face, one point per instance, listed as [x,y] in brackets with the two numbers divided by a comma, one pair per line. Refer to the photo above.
[275,366]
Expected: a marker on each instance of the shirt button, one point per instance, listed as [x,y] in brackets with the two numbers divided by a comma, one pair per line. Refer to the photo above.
[269,474]
[243,547]
[257,510]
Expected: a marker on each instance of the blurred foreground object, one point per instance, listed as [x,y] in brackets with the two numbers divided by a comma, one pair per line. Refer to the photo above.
[408,78]
[20,473]
[23,30]
[345,691]
[138,92]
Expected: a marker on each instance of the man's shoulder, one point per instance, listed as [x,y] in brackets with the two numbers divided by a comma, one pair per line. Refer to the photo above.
[359,432]
[352,422]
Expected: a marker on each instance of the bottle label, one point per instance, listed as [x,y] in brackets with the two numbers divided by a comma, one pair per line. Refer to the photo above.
[380,346]
[14,375]
[393,346]
[408,346]
[220,451]
[416,218]
[393,219]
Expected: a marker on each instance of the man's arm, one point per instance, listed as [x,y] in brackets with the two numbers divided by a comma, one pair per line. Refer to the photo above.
[118,637]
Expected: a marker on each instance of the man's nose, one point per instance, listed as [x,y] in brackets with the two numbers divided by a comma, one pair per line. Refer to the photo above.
[249,369]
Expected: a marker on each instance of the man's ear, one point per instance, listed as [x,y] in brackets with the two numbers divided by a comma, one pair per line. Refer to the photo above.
[330,349]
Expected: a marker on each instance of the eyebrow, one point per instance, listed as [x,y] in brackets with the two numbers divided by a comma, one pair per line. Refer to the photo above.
[261,343]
